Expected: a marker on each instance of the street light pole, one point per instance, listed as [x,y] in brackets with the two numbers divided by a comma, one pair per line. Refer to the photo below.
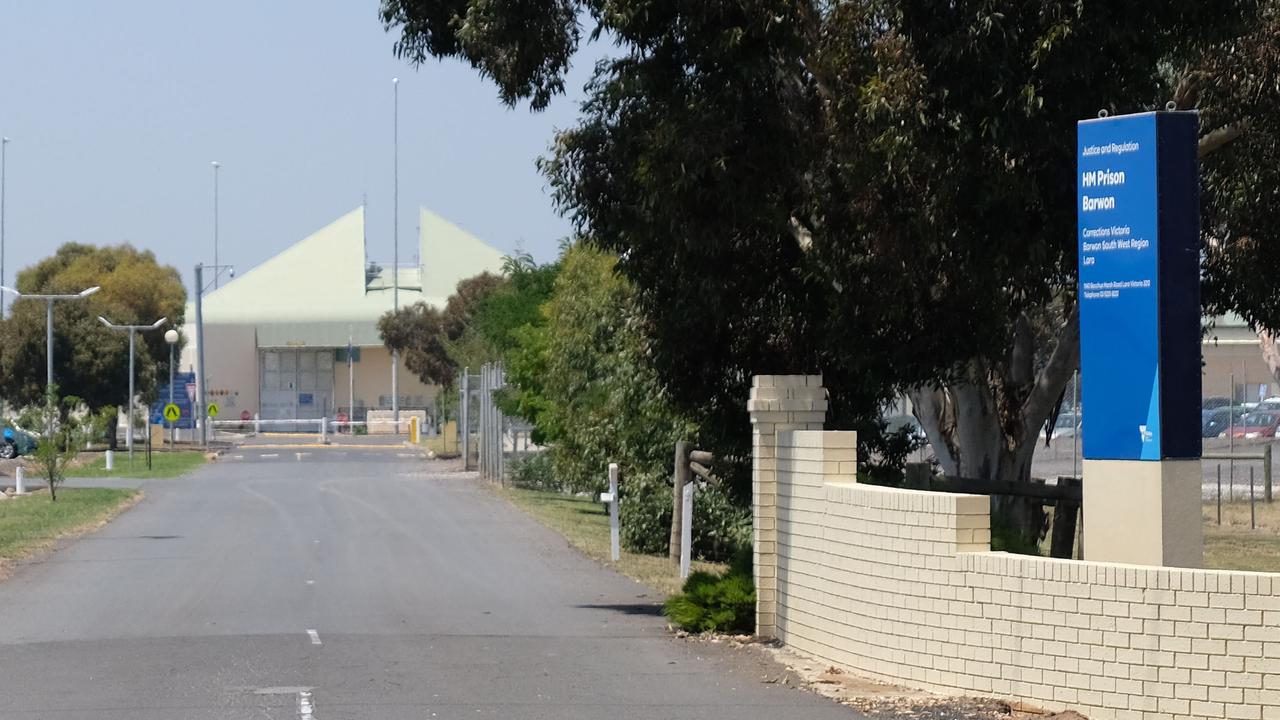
[395,234]
[48,330]
[4,143]
[201,388]
[171,337]
[132,330]
[216,165]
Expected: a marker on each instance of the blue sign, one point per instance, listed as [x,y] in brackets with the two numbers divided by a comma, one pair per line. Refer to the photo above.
[305,398]
[1138,241]
[180,399]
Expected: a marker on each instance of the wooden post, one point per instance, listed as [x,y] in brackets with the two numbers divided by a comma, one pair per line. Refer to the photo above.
[679,479]
[1065,516]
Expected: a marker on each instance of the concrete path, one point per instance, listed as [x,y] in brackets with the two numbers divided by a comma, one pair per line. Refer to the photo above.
[350,583]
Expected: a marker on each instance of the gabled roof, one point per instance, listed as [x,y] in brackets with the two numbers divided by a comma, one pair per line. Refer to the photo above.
[315,292]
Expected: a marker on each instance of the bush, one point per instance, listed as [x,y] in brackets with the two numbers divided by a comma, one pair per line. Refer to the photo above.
[724,603]
[721,528]
[645,514]
[534,472]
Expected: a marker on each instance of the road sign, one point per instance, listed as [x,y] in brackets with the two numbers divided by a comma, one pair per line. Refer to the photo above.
[172,412]
[213,409]
[191,392]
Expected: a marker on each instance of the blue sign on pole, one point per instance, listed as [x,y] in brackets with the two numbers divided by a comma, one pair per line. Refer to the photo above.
[1138,241]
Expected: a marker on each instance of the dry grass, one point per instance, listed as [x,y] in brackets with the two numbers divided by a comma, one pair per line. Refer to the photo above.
[1234,546]
[32,523]
[585,525]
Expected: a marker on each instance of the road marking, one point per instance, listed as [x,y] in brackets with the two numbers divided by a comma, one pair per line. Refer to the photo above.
[315,637]
[305,707]
[406,455]
[237,457]
[270,455]
[311,582]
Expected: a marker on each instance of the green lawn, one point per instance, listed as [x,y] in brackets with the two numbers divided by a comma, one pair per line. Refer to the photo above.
[30,522]
[163,465]
[585,525]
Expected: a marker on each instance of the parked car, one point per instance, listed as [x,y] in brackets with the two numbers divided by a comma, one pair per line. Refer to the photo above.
[1217,423]
[1068,424]
[1258,424]
[17,442]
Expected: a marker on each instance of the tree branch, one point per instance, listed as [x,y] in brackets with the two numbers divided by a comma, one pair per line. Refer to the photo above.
[1217,139]
[1054,375]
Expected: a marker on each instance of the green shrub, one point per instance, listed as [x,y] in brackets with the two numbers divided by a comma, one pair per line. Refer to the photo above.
[534,472]
[723,603]
[645,514]
[721,527]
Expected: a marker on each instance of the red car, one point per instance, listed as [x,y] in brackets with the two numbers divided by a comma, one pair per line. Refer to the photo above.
[1258,424]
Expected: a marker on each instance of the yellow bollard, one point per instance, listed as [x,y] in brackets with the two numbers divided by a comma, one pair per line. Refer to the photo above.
[413,430]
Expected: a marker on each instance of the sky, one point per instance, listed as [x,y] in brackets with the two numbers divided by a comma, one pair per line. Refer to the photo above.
[116,110]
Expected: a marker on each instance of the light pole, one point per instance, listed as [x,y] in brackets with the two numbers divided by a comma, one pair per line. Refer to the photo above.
[395,234]
[132,330]
[4,143]
[200,380]
[171,337]
[48,331]
[215,165]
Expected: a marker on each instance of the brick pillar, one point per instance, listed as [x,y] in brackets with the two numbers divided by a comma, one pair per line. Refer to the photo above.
[778,402]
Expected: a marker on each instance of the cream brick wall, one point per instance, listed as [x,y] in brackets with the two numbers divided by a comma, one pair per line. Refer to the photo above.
[901,585]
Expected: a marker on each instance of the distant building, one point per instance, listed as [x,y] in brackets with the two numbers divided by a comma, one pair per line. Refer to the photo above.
[1232,354]
[276,337]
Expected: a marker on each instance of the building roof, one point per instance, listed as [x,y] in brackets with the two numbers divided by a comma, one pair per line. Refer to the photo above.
[317,292]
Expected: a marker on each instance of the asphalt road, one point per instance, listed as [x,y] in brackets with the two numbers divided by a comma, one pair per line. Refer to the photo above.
[351,583]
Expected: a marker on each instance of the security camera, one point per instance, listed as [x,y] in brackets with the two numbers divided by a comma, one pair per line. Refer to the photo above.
[231,272]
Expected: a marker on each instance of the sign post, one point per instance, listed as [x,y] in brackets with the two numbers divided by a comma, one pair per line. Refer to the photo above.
[1138,240]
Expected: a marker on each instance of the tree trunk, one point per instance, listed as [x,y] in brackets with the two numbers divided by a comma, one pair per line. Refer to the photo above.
[1270,353]
[984,424]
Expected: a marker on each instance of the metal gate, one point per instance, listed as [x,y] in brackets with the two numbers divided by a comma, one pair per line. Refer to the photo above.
[295,385]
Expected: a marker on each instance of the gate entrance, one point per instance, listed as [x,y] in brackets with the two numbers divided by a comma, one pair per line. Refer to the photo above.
[295,385]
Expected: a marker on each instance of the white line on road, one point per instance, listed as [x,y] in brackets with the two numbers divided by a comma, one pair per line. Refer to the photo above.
[270,455]
[408,455]
[311,582]
[315,637]
[237,457]
[305,707]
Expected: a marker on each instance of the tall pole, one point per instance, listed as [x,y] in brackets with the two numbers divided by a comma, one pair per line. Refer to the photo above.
[48,345]
[216,266]
[173,425]
[128,429]
[351,384]
[395,234]
[200,385]
[4,142]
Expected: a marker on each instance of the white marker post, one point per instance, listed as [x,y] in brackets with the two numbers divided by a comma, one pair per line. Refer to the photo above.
[19,481]
[686,532]
[611,497]
[111,456]
[324,431]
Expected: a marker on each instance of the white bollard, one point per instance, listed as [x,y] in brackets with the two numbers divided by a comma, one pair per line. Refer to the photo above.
[615,547]
[324,431]
[686,532]
[19,481]
[257,425]
[111,458]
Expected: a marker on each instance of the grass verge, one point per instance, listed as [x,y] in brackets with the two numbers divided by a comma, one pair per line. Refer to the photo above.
[163,465]
[585,524]
[1234,545]
[31,523]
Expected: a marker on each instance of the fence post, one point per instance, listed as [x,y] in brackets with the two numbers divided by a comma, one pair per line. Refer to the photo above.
[464,428]
[1065,516]
[679,479]
[615,544]
[686,532]
[1266,471]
